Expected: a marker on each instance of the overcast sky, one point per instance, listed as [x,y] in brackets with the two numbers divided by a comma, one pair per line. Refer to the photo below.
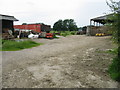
[50,11]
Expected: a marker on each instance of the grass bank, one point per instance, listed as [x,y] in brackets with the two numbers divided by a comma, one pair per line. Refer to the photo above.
[11,45]
[114,68]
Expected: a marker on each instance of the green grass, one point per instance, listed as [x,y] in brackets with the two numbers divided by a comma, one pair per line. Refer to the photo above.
[55,37]
[114,69]
[113,51]
[10,45]
[65,33]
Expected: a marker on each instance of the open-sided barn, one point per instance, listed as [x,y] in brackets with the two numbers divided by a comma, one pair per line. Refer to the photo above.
[97,25]
[6,24]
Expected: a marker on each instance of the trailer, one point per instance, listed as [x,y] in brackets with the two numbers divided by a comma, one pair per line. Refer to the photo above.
[38,28]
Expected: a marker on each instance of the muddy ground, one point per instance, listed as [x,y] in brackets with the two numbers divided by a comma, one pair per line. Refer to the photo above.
[68,62]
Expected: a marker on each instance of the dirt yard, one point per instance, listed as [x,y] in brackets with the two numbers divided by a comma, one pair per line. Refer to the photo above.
[69,62]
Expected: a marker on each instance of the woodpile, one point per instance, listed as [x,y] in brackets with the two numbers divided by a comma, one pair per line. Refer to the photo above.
[7,36]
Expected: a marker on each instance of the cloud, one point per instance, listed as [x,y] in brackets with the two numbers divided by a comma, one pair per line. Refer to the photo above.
[49,11]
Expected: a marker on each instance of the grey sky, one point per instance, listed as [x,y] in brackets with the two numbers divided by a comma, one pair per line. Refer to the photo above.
[49,11]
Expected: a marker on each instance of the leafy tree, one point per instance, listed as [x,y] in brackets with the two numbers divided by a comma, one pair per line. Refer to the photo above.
[115,25]
[72,25]
[24,24]
[84,28]
[58,26]
[114,68]
[66,25]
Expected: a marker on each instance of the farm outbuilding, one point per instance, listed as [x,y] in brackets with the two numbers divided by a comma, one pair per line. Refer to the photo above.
[97,25]
[36,27]
[98,21]
[6,23]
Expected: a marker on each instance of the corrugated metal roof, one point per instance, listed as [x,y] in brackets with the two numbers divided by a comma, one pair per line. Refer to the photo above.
[104,18]
[118,10]
[6,17]
[101,17]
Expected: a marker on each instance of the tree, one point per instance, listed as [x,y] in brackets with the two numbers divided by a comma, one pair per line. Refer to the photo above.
[58,26]
[114,68]
[72,25]
[66,25]
[84,28]
[24,24]
[115,25]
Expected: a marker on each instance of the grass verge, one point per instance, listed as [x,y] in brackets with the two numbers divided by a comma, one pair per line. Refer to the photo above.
[10,45]
[114,69]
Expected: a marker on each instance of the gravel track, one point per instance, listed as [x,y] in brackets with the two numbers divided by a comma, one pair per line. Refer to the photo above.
[69,62]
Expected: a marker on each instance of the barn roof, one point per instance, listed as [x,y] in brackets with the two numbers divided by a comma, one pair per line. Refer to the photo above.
[6,17]
[118,10]
[101,19]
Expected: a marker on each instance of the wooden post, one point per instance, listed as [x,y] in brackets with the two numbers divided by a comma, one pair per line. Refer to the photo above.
[90,22]
[19,34]
[99,24]
[94,23]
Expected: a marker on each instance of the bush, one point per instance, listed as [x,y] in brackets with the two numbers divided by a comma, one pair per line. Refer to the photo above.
[114,69]
[73,32]
[10,45]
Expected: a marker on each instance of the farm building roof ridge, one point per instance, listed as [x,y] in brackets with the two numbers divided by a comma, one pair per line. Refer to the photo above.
[7,17]
[34,23]
[102,17]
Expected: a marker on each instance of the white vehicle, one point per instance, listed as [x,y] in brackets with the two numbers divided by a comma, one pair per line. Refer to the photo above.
[32,36]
